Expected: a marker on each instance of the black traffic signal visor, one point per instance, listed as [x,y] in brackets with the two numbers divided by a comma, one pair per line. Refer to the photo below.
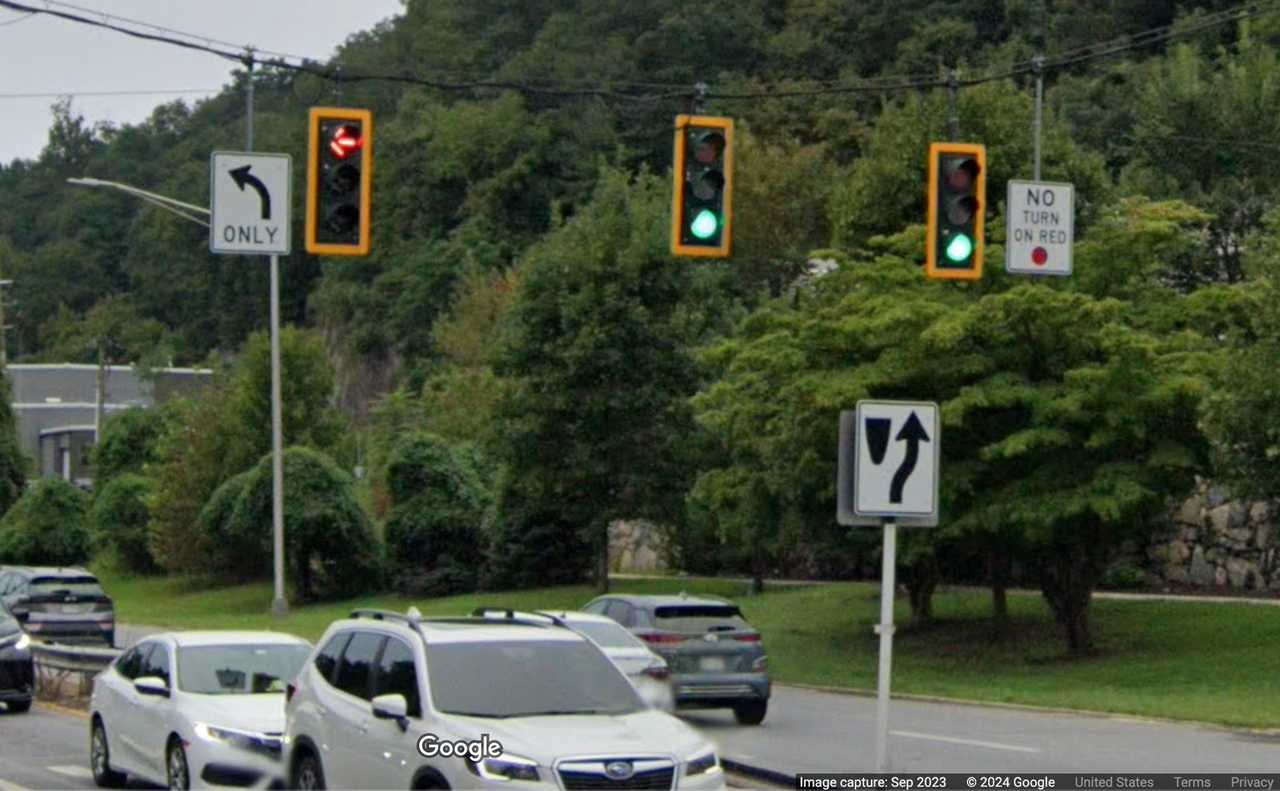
[708,146]
[707,184]
[959,173]
[961,210]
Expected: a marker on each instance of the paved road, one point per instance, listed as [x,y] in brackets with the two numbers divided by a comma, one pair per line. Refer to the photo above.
[45,748]
[815,731]
[820,731]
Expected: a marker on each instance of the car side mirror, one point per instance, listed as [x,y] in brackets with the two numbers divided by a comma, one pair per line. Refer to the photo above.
[151,685]
[392,707]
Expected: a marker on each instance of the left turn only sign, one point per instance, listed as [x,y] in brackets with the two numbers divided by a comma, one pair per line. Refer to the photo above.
[250,197]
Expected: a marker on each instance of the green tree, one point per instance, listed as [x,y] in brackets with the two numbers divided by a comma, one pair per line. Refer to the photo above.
[130,442]
[48,526]
[597,415]
[1069,417]
[14,464]
[435,542]
[306,390]
[330,548]
[118,521]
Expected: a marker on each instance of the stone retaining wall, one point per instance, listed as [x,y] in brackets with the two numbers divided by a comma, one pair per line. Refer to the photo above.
[1214,542]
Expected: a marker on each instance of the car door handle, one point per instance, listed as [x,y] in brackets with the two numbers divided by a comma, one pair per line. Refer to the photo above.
[363,727]
[322,711]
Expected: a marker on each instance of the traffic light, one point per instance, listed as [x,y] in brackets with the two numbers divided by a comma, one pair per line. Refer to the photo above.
[339,180]
[702,172]
[957,202]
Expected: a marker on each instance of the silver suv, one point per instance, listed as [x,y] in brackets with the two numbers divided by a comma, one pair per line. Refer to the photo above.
[400,701]
[716,658]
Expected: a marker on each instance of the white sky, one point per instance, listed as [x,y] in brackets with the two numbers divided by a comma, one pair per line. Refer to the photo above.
[42,54]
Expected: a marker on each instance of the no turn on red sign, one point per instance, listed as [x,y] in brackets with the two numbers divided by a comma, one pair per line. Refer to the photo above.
[1041,219]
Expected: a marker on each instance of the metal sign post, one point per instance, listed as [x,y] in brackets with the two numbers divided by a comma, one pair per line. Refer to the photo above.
[251,202]
[888,586]
[888,471]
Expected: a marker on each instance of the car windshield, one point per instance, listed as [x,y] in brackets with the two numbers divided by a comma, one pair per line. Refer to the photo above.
[606,634]
[239,669]
[83,586]
[519,678]
[697,618]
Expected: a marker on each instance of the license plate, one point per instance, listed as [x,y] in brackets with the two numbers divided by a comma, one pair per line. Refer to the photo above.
[74,609]
[712,664]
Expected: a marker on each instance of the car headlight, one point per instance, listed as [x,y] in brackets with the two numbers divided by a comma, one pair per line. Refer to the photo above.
[245,740]
[505,767]
[702,763]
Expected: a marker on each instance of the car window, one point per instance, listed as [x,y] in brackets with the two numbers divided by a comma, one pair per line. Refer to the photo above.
[81,585]
[239,669]
[130,663]
[699,618]
[327,659]
[396,675]
[597,607]
[156,663]
[353,669]
[606,634]
[512,678]
[622,612]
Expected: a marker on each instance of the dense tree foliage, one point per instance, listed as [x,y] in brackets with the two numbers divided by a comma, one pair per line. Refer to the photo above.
[48,526]
[521,305]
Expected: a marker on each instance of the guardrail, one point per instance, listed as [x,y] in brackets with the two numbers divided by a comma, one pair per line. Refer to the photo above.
[57,664]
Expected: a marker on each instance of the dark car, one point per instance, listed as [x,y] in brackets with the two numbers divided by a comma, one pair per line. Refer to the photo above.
[60,605]
[17,674]
[717,659]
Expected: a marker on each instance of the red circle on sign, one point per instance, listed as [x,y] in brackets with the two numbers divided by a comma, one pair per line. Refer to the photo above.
[1039,256]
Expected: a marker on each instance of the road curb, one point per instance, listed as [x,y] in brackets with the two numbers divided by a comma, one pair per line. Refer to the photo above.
[60,709]
[994,704]
[758,773]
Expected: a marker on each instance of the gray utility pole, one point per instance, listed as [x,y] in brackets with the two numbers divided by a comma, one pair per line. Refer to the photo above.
[1038,62]
[279,604]
[4,347]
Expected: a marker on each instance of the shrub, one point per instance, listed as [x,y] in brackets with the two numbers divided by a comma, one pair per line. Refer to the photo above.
[118,522]
[530,546]
[48,526]
[130,441]
[330,548]
[435,541]
[230,555]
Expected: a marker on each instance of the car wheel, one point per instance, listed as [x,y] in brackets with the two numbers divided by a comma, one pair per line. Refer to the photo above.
[430,780]
[751,713]
[307,773]
[100,759]
[176,763]
[19,706]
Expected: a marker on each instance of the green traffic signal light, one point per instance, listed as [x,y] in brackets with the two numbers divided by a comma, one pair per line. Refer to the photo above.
[959,248]
[704,225]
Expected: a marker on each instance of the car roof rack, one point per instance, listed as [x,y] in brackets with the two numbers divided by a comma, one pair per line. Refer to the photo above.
[518,616]
[385,615]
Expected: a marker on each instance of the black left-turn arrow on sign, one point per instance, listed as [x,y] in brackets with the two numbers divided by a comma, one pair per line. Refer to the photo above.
[243,177]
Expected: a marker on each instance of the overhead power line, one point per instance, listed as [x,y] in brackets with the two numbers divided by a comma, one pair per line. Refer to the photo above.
[59,94]
[617,90]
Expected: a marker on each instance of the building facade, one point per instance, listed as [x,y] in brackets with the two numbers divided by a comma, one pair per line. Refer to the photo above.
[55,407]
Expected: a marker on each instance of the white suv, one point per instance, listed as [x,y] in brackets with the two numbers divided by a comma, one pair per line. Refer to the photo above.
[399,701]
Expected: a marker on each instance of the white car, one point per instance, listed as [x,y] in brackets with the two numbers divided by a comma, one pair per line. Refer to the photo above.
[194,709]
[646,671]
[400,701]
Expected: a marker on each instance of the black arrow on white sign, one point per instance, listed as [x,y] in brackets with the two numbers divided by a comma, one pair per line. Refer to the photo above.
[913,432]
[243,177]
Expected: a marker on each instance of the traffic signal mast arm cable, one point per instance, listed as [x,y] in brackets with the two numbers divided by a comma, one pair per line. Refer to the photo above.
[564,88]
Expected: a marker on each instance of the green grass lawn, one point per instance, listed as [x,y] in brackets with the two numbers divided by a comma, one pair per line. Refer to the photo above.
[1181,660]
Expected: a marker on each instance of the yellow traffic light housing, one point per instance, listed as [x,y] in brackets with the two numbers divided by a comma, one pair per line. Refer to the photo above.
[339,181]
[702,189]
[957,204]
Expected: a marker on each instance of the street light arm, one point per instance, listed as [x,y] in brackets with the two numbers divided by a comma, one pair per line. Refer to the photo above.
[171,210]
[162,201]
